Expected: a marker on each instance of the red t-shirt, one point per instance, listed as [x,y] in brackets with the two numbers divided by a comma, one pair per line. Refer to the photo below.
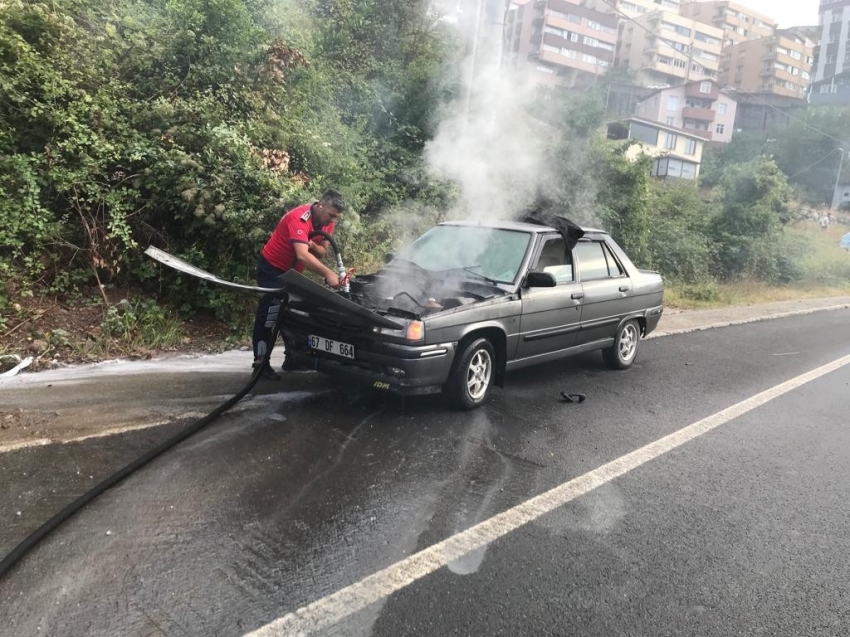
[294,227]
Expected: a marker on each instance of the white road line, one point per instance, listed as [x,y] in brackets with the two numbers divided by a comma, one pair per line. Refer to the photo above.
[41,442]
[326,612]
[26,444]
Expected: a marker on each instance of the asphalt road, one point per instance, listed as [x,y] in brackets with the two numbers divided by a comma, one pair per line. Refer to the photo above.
[743,530]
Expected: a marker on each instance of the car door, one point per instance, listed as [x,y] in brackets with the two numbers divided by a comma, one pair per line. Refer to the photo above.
[607,288]
[551,317]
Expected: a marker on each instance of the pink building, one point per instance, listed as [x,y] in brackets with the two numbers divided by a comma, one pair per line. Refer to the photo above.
[559,41]
[699,107]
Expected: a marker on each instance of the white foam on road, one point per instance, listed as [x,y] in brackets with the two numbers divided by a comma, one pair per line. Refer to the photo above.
[328,611]
[234,361]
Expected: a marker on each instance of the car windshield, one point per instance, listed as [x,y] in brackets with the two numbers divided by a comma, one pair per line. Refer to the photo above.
[492,253]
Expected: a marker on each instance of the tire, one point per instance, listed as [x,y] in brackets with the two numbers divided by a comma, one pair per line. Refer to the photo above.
[624,351]
[472,375]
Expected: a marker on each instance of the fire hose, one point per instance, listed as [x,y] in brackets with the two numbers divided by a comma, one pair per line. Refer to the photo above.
[53,523]
[345,276]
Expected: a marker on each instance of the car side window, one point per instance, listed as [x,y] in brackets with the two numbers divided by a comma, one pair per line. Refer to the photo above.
[614,267]
[556,260]
[592,261]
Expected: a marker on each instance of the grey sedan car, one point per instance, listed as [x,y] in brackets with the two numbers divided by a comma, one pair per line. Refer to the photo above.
[468,302]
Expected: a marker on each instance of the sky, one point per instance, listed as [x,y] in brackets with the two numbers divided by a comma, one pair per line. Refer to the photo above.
[789,13]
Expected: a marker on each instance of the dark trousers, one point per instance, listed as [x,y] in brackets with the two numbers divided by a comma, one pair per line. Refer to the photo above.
[267,277]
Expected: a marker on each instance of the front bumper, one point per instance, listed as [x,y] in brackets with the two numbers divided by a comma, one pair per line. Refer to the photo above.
[401,369]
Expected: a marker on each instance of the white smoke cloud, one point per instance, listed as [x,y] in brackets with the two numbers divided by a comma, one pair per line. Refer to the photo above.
[490,146]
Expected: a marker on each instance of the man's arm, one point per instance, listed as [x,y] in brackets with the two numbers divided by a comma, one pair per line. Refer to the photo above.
[305,256]
[318,248]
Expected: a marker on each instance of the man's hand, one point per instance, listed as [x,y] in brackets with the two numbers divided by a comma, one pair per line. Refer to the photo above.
[332,280]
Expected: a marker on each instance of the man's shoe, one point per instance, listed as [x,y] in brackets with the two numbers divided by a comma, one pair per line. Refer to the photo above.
[268,373]
[291,364]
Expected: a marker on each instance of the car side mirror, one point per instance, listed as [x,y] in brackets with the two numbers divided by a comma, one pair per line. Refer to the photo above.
[540,280]
[389,256]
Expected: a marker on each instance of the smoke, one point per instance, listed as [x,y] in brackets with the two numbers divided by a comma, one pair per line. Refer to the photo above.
[503,158]
[491,147]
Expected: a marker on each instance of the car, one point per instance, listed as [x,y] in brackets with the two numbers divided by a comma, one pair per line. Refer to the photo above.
[468,302]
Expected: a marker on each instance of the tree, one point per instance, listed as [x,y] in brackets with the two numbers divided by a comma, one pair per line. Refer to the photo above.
[749,228]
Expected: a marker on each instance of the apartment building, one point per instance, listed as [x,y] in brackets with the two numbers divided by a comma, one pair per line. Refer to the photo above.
[780,64]
[560,41]
[701,108]
[664,48]
[677,153]
[739,23]
[631,8]
[833,55]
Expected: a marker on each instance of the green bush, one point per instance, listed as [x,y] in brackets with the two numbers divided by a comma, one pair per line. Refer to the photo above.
[142,323]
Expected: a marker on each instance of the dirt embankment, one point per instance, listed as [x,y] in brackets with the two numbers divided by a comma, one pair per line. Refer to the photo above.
[55,332]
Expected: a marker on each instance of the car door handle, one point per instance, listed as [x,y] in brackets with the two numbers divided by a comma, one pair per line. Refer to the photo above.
[577,295]
[624,288]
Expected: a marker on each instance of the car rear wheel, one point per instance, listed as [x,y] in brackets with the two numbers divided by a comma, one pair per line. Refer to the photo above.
[622,354]
[472,375]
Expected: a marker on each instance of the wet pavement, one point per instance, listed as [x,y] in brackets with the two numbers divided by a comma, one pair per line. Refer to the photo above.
[304,490]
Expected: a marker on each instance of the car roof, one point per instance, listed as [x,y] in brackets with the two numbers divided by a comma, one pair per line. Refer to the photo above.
[503,224]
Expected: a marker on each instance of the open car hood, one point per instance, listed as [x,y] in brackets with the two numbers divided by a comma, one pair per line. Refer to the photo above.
[312,297]
[319,299]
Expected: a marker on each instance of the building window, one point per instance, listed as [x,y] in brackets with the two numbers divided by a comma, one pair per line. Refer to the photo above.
[705,87]
[691,147]
[722,108]
[671,121]
[702,37]
[670,141]
[719,129]
[643,133]
[673,103]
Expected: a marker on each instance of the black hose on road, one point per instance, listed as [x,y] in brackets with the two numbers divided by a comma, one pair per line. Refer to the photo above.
[45,529]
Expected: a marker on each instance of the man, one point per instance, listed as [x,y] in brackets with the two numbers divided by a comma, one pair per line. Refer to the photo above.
[289,248]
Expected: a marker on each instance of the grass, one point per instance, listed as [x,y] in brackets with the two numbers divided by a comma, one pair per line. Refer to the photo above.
[825,273]
[750,293]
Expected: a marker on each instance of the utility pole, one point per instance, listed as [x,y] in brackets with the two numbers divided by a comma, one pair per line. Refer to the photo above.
[836,199]
[479,9]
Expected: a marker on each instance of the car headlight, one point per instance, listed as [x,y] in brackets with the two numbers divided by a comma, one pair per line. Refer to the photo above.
[415,331]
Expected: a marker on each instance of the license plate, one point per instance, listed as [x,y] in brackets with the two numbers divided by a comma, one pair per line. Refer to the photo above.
[322,344]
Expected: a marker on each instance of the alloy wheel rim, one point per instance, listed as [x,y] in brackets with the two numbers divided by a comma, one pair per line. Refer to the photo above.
[628,342]
[478,374]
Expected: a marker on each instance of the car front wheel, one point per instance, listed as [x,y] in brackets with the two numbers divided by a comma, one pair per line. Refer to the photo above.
[622,354]
[472,375]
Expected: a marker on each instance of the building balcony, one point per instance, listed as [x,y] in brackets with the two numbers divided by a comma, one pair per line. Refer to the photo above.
[702,114]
